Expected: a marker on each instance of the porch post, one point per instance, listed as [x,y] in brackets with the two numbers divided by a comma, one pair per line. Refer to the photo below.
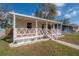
[57,29]
[14,28]
[61,27]
[68,29]
[36,28]
[53,26]
[57,26]
[46,26]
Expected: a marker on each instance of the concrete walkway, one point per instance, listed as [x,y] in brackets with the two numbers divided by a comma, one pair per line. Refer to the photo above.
[58,41]
[25,43]
[67,44]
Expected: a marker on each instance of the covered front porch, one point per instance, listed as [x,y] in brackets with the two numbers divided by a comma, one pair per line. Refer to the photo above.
[30,29]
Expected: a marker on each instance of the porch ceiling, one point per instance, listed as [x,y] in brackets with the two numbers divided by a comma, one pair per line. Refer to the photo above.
[31,18]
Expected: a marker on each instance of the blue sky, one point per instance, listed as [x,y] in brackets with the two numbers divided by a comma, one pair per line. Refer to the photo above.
[28,8]
[69,10]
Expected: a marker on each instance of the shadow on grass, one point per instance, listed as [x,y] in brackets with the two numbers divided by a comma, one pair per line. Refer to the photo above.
[9,37]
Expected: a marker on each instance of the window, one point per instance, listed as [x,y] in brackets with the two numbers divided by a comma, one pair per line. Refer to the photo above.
[52,25]
[42,26]
[49,26]
[29,25]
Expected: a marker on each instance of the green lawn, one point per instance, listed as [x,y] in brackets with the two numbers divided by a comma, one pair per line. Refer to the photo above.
[71,38]
[47,48]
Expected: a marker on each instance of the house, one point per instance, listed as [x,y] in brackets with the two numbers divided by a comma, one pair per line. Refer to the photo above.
[67,28]
[76,29]
[28,28]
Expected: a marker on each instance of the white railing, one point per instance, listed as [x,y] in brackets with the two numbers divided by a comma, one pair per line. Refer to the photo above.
[24,32]
[53,33]
[40,31]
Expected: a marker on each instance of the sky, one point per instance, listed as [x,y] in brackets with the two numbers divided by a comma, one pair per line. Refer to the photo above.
[64,10]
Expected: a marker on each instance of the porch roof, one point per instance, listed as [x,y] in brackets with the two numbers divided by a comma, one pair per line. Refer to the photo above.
[36,18]
[70,25]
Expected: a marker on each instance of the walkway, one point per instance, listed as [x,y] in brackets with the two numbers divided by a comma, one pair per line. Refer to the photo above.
[67,44]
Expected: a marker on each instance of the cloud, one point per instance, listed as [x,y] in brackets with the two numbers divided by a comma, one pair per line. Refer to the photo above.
[75,8]
[67,16]
[73,13]
[78,11]
[32,14]
[58,13]
[59,4]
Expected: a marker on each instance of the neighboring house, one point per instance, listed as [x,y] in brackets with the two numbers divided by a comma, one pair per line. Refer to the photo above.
[67,28]
[29,28]
[76,29]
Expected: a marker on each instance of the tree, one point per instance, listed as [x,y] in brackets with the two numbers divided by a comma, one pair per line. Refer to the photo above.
[38,13]
[6,21]
[4,16]
[66,21]
[46,10]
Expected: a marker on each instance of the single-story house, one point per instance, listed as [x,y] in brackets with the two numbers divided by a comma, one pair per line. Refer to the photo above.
[67,28]
[28,28]
[76,29]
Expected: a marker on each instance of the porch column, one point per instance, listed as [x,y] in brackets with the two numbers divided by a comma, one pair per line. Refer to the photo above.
[14,28]
[46,26]
[61,27]
[53,26]
[36,28]
[57,26]
[68,29]
[57,29]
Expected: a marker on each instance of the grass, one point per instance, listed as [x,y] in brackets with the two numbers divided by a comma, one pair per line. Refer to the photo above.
[45,48]
[71,38]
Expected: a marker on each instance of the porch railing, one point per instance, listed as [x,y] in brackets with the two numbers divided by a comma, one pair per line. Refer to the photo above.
[24,32]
